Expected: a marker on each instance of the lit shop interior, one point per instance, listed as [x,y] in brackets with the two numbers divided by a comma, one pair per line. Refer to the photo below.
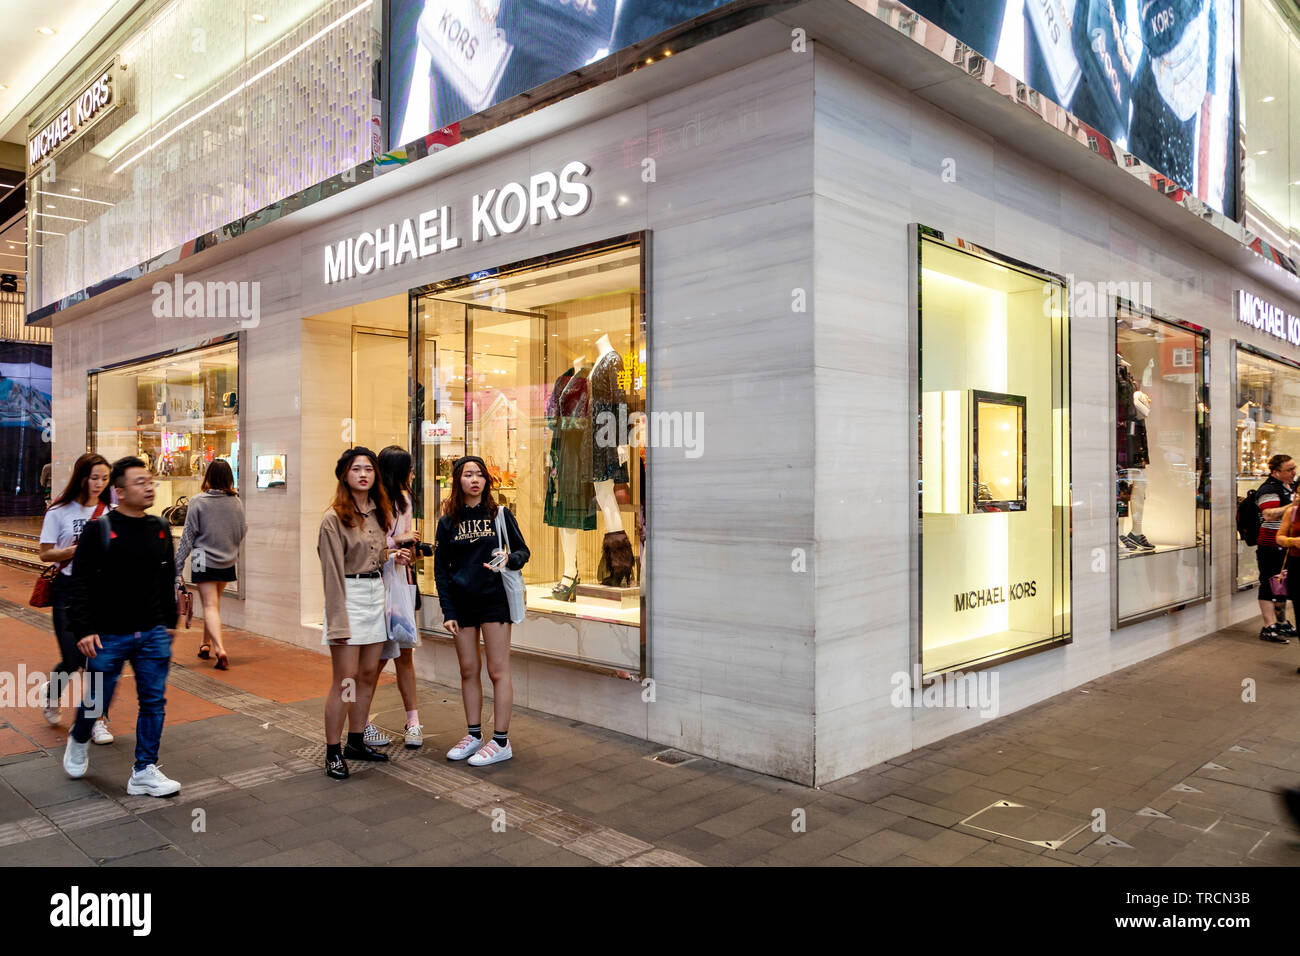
[994,443]
[177,413]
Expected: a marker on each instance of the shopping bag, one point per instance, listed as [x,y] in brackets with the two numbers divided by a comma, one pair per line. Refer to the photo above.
[399,604]
[512,580]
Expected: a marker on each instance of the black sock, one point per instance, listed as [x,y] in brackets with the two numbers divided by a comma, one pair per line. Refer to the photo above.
[499,738]
[357,740]
[476,731]
[333,750]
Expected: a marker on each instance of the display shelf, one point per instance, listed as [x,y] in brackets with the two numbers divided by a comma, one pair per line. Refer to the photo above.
[1160,549]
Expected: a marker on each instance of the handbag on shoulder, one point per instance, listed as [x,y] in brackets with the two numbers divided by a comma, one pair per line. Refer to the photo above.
[43,589]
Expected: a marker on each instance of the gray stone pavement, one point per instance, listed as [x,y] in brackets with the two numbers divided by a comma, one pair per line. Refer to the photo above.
[1185,771]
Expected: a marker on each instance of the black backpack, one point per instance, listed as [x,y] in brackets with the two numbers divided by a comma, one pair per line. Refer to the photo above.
[1249,517]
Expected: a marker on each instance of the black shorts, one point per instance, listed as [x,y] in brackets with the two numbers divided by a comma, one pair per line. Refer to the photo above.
[1269,560]
[473,610]
[213,574]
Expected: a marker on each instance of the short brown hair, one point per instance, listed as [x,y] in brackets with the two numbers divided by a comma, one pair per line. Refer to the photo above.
[1276,462]
[219,477]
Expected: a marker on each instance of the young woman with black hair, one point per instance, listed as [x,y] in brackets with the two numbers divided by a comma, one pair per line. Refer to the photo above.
[85,497]
[466,567]
[395,476]
[352,549]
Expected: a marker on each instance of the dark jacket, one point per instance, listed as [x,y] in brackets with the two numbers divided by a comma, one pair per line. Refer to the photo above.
[461,551]
[132,587]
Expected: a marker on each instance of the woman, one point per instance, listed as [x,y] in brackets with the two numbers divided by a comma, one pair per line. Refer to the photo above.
[214,529]
[1291,563]
[85,497]
[466,566]
[395,477]
[352,553]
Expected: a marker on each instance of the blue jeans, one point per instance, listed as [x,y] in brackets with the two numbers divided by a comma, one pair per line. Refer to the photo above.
[150,654]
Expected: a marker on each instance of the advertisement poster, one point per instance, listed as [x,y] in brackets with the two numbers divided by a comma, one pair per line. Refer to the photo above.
[451,59]
[1157,77]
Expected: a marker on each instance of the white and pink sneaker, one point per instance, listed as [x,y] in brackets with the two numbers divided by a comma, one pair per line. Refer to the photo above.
[468,745]
[490,753]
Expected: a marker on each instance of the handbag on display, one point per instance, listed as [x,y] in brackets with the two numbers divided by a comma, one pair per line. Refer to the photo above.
[177,513]
[512,580]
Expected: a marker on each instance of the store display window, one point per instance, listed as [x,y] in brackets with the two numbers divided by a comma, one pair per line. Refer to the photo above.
[540,370]
[994,457]
[176,412]
[1162,424]
[1267,424]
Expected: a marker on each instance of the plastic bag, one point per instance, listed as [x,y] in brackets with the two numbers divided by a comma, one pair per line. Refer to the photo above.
[399,604]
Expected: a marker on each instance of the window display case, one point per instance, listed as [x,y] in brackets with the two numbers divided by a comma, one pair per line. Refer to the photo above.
[1267,419]
[993,392]
[1162,506]
[177,412]
[540,370]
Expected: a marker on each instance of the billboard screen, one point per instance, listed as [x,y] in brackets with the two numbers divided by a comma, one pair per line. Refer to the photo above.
[450,59]
[1157,77]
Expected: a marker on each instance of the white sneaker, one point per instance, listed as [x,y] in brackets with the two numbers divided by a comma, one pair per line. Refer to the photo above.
[414,737]
[76,760]
[153,782]
[99,734]
[491,753]
[49,707]
[467,746]
[374,738]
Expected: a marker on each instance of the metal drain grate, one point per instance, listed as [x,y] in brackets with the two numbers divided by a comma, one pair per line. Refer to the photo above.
[673,758]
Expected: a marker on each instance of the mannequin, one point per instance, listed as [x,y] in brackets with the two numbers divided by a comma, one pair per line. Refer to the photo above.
[609,465]
[1132,408]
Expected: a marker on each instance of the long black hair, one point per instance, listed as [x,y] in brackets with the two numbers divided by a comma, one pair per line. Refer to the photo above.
[78,487]
[395,476]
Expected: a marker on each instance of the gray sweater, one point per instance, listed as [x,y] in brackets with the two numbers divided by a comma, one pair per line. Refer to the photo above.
[214,525]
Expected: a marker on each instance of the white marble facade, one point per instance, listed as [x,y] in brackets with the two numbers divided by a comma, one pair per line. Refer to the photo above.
[781,570]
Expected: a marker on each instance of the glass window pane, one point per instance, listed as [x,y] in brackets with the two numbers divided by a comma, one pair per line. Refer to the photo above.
[1161,442]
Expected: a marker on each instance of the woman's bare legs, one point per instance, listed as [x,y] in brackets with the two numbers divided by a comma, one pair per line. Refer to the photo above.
[471,687]
[343,684]
[368,665]
[405,667]
[496,641]
[210,597]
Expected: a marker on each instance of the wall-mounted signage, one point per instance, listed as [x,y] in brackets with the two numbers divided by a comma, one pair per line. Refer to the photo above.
[499,211]
[1267,317]
[92,103]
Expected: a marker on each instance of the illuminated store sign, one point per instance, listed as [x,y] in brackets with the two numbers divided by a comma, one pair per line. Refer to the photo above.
[94,101]
[1269,318]
[493,213]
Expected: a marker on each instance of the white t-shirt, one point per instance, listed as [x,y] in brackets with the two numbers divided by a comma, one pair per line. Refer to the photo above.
[62,526]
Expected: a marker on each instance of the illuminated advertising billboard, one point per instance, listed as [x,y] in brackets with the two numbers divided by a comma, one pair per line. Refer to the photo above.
[1156,77]
[450,59]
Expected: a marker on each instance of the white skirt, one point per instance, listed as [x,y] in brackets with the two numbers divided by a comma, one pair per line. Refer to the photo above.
[365,603]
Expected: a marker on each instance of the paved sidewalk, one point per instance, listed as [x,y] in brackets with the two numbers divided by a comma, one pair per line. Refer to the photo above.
[1185,771]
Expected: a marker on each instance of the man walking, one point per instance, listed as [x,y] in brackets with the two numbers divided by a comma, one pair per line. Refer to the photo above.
[1273,497]
[121,602]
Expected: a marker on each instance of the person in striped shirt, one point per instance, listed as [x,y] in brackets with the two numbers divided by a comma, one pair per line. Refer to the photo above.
[1274,495]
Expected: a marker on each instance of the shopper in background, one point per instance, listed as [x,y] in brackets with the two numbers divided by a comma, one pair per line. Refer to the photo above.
[1272,498]
[466,565]
[352,553]
[122,604]
[214,529]
[395,476]
[84,498]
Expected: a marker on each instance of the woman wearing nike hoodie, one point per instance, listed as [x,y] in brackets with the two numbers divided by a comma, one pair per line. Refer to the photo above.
[467,562]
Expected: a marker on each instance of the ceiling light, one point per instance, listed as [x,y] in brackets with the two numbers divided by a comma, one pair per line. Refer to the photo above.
[1268,99]
[179,76]
[45,31]
[3,87]
[49,205]
[1262,152]
[75,189]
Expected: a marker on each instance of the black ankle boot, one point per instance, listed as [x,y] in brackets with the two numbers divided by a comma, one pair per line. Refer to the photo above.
[364,752]
[335,767]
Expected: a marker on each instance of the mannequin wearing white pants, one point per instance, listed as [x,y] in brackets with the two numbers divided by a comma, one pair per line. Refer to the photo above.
[1138,484]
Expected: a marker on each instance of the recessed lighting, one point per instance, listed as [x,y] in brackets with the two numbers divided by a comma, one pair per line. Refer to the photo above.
[1268,99]
[649,60]
[1262,152]
[75,189]
[49,205]
[668,52]
[45,31]
[259,18]
[179,76]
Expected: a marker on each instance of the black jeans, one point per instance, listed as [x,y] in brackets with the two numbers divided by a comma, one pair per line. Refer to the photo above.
[71,660]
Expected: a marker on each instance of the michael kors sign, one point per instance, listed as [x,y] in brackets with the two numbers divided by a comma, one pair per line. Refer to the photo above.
[95,100]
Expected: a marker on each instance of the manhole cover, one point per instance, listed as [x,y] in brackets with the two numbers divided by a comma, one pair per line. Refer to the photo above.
[674,758]
[1045,828]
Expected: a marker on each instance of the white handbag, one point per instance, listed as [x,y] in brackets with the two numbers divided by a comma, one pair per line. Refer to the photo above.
[513,580]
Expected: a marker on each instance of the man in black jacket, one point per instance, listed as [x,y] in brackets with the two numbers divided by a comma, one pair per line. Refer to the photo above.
[121,602]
